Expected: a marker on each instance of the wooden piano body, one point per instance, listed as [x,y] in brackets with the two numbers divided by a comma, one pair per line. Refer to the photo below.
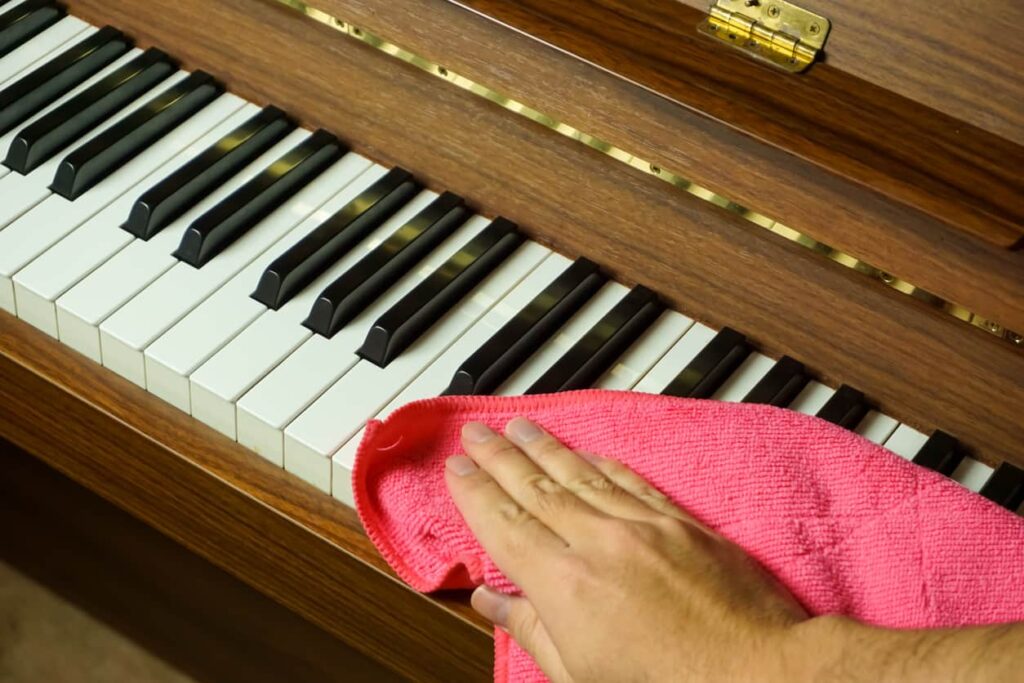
[907,156]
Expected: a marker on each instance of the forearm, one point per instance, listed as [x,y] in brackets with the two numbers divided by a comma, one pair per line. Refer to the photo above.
[837,649]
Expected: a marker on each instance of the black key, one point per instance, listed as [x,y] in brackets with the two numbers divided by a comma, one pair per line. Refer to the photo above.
[711,367]
[52,132]
[941,453]
[175,194]
[26,21]
[308,258]
[429,301]
[1005,486]
[846,408]
[216,229]
[32,93]
[89,164]
[780,386]
[601,346]
[520,337]
[360,285]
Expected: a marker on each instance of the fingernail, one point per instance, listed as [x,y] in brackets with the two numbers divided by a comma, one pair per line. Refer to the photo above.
[522,430]
[476,432]
[491,605]
[460,465]
[590,457]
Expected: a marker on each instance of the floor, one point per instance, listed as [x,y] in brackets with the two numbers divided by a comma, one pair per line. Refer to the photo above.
[45,638]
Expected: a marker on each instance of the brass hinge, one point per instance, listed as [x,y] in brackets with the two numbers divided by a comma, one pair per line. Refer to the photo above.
[772,31]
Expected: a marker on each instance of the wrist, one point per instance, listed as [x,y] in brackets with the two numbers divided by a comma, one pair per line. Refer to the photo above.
[820,649]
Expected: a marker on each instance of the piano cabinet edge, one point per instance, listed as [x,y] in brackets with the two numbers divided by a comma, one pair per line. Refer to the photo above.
[294,544]
[174,604]
[503,45]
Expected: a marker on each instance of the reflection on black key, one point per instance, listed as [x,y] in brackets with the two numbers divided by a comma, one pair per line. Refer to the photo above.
[520,337]
[941,453]
[32,93]
[780,386]
[1005,487]
[360,285]
[711,367]
[846,408]
[27,20]
[175,194]
[429,301]
[54,131]
[216,229]
[95,160]
[313,254]
[601,346]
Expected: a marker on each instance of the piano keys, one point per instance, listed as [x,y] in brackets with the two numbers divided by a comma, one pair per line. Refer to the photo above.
[285,290]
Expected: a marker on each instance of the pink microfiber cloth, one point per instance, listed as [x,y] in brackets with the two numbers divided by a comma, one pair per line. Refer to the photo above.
[849,527]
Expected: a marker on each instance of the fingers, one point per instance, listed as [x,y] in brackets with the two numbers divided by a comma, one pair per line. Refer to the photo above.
[528,484]
[519,543]
[636,486]
[518,617]
[581,475]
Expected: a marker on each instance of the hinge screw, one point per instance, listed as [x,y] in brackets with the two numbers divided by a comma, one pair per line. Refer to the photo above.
[1015,338]
[814,29]
[773,10]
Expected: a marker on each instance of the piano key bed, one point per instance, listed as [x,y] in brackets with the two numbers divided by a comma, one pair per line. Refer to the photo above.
[285,290]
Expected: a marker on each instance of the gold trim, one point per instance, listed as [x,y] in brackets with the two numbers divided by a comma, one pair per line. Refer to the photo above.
[651,169]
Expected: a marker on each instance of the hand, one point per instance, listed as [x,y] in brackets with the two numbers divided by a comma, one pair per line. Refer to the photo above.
[618,583]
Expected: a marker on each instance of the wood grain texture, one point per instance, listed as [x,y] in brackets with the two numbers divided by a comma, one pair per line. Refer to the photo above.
[919,365]
[741,136]
[173,603]
[963,57]
[220,501]
[267,528]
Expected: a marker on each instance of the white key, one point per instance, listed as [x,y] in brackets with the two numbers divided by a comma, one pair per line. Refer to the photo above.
[906,442]
[753,368]
[172,358]
[8,137]
[40,283]
[125,334]
[85,306]
[812,399]
[571,332]
[19,193]
[436,378]
[972,474]
[639,358]
[266,409]
[311,439]
[45,46]
[877,427]
[677,358]
[219,382]
[55,217]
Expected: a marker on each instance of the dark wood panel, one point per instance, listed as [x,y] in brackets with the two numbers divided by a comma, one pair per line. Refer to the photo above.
[283,538]
[943,55]
[173,603]
[745,138]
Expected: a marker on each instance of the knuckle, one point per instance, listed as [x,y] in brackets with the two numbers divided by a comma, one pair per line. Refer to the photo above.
[547,494]
[498,448]
[512,513]
[592,485]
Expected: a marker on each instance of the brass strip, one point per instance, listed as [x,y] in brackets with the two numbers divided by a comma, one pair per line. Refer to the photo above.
[651,169]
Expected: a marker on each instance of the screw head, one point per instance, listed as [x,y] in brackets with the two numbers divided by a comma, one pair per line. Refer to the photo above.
[815,29]
[773,11]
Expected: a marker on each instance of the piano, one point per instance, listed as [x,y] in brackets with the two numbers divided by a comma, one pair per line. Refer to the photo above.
[232,233]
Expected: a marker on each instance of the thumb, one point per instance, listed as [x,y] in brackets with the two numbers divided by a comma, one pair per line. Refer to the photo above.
[518,617]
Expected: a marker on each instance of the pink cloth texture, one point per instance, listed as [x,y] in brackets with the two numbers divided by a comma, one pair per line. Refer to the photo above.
[849,527]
